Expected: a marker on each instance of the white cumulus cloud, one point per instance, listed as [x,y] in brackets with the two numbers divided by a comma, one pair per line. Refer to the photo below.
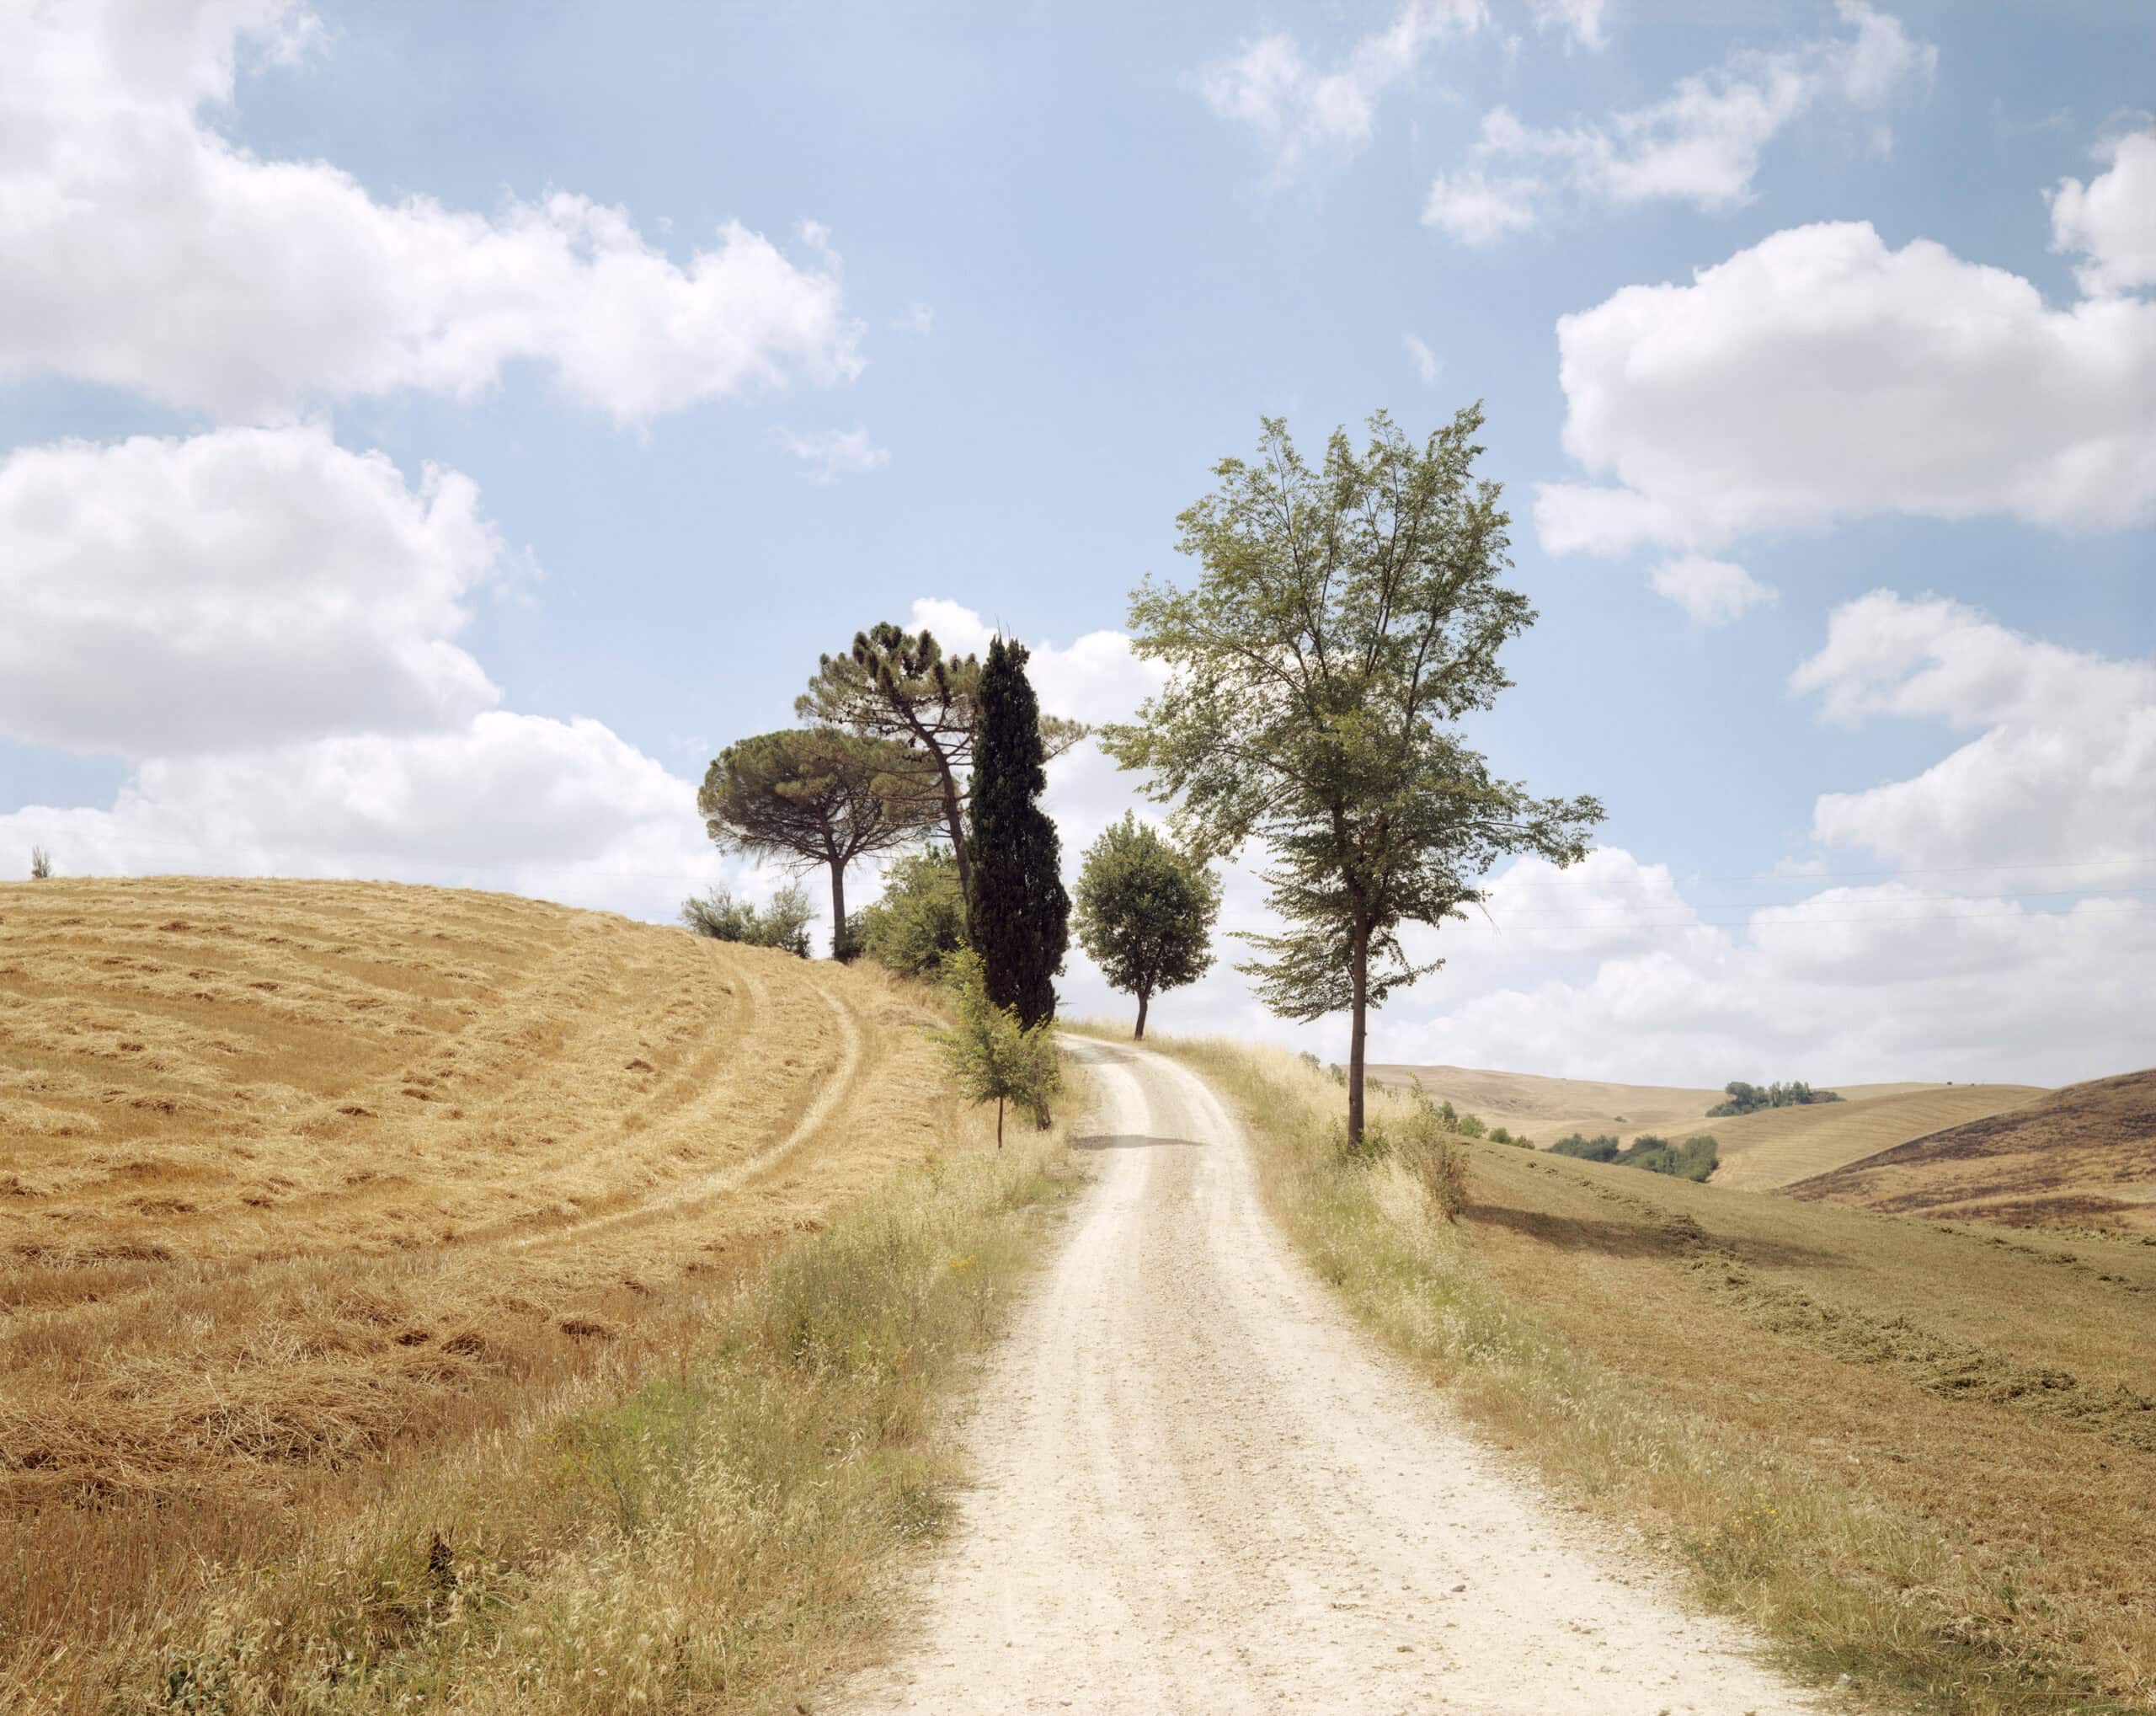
[262,624]
[1701,144]
[2058,776]
[142,248]
[2111,220]
[167,596]
[1427,364]
[1581,18]
[1904,381]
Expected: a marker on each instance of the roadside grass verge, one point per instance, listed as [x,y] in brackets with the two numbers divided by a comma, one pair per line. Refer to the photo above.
[1913,1457]
[717,1532]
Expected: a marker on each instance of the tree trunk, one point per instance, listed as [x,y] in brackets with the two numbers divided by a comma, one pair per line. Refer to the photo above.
[1358,1028]
[999,1123]
[838,909]
[1138,1035]
[954,818]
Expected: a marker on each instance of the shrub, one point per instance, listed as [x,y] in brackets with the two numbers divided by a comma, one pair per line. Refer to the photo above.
[784,924]
[1425,1146]
[1498,1135]
[919,922]
[990,1056]
[1694,1159]
[1601,1148]
[1470,1126]
[40,864]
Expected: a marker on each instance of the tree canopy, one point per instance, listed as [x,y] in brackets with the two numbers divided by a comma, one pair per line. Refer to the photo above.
[1145,911]
[1019,915]
[811,796]
[899,686]
[1344,619]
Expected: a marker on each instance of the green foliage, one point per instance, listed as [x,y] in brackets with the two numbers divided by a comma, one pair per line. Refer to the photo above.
[782,924]
[1145,911]
[1749,1099]
[811,796]
[920,921]
[991,1055]
[1470,1126]
[899,686]
[1345,620]
[1694,1159]
[1018,915]
[1498,1135]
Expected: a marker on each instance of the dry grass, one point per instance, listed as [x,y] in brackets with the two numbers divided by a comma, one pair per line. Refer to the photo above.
[2082,1158]
[324,1206]
[1778,1146]
[1916,1455]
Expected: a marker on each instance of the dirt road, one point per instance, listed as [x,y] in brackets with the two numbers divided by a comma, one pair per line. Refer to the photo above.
[1202,1489]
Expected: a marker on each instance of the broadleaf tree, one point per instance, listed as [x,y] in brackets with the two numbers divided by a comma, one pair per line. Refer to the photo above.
[807,796]
[1145,911]
[1018,914]
[1344,619]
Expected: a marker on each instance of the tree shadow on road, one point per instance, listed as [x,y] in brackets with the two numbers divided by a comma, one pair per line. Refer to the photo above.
[1131,1140]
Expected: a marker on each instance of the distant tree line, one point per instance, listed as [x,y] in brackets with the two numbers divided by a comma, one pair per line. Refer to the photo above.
[1695,1158]
[1749,1099]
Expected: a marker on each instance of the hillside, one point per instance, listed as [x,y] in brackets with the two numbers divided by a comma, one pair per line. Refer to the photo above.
[1547,1109]
[1775,1146]
[292,1170]
[2083,1156]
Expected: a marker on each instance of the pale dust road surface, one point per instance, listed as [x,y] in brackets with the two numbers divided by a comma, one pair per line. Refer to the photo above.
[1201,1488]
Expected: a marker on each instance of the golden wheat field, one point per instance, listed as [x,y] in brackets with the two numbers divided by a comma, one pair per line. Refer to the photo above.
[282,1164]
[1775,1147]
[300,1179]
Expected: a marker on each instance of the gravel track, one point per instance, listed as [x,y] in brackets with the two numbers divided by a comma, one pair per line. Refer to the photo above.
[1201,1488]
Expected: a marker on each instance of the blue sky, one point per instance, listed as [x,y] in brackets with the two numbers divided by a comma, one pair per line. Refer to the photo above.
[1000,285]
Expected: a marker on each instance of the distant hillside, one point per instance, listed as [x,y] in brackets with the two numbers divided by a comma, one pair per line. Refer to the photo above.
[1546,1108]
[2083,1156]
[1777,1147]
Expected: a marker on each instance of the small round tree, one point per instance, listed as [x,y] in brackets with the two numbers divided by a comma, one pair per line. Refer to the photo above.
[1144,912]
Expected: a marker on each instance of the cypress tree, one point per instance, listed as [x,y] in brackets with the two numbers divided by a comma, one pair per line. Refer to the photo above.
[1019,915]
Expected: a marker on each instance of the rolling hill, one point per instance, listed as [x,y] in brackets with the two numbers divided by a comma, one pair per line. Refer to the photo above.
[1546,1108]
[1775,1146]
[2083,1156]
[290,1171]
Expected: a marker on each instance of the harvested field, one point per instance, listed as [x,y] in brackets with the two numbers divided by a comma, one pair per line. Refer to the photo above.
[299,1180]
[1778,1146]
[286,1163]
[1547,1109]
[2084,1158]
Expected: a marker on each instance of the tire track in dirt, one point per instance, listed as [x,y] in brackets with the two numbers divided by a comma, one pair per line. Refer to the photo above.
[673,1199]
